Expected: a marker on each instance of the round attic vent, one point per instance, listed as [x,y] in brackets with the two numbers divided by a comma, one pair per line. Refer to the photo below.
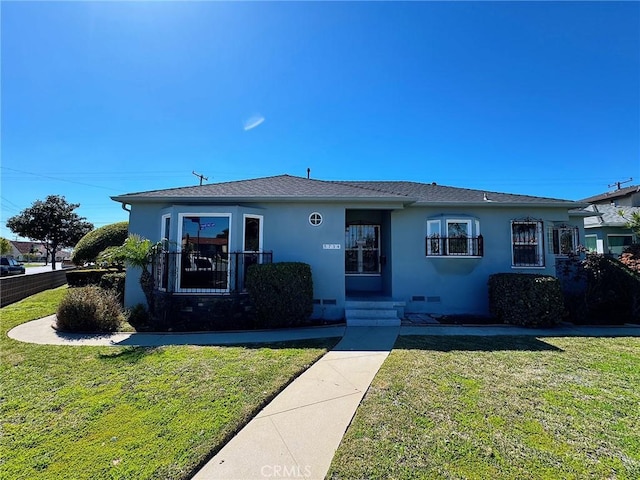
[315,219]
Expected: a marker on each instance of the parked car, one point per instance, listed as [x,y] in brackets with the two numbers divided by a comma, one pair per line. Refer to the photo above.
[10,266]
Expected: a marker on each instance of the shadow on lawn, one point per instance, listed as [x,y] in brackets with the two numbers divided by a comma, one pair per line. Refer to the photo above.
[473,343]
[129,354]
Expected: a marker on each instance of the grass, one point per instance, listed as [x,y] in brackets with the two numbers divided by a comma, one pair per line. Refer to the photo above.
[124,412]
[499,408]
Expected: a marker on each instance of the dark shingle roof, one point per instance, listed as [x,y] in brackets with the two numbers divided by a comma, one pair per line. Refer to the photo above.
[431,193]
[287,187]
[608,196]
[281,187]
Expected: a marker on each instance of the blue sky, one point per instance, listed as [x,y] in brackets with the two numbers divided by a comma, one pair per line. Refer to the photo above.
[101,98]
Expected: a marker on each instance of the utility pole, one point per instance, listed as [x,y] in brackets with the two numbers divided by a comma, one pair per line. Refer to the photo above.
[200,176]
[617,184]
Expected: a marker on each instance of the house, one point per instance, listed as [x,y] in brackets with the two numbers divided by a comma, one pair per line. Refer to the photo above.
[412,247]
[24,251]
[606,231]
[27,251]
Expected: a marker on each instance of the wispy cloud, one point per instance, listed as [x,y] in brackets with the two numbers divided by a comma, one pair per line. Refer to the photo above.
[253,122]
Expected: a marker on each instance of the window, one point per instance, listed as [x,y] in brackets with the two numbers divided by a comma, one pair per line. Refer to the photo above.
[204,247]
[315,219]
[526,243]
[563,239]
[617,243]
[454,237]
[591,243]
[252,233]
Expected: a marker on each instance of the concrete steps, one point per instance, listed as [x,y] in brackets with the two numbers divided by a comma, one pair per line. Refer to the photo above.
[372,313]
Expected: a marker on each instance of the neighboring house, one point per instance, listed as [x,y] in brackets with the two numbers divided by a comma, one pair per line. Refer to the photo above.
[24,251]
[423,247]
[606,231]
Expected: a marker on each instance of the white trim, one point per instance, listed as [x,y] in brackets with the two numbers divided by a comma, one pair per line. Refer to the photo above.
[244,232]
[179,250]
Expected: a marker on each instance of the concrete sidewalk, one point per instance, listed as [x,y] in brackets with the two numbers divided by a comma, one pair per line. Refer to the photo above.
[297,434]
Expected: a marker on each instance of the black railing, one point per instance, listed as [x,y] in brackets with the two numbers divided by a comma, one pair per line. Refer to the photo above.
[436,246]
[193,272]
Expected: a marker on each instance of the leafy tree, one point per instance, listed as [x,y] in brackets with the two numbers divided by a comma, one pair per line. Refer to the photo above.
[5,246]
[52,222]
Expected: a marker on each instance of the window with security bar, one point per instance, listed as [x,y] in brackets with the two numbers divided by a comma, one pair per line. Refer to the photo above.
[562,239]
[526,243]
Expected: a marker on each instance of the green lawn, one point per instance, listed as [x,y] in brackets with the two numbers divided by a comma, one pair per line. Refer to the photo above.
[499,408]
[124,412]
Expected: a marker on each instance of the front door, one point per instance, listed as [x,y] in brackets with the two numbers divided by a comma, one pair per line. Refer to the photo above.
[362,250]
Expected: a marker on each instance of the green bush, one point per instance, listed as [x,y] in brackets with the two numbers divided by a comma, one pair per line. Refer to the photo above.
[89,309]
[114,282]
[281,293]
[527,300]
[613,291]
[138,317]
[94,242]
[85,277]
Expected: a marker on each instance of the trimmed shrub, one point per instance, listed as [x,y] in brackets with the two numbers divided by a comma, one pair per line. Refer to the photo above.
[94,242]
[114,282]
[281,293]
[83,278]
[138,317]
[89,309]
[527,300]
[600,290]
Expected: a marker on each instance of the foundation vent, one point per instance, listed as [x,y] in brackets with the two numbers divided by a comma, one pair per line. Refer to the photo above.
[329,301]
[434,299]
[418,298]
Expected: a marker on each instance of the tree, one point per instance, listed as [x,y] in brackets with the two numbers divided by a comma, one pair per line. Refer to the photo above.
[5,246]
[52,222]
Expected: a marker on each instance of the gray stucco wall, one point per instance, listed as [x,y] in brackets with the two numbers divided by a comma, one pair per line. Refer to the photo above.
[448,285]
[458,284]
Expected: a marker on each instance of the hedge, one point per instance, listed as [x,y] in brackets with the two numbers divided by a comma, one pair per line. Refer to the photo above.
[94,242]
[528,300]
[281,293]
[85,277]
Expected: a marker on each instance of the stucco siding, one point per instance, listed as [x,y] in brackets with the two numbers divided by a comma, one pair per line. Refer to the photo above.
[448,285]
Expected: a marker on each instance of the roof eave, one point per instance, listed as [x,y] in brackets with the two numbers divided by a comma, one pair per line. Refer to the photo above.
[274,199]
[495,203]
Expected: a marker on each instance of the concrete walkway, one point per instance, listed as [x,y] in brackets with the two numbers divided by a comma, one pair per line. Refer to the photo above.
[297,434]
[41,332]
